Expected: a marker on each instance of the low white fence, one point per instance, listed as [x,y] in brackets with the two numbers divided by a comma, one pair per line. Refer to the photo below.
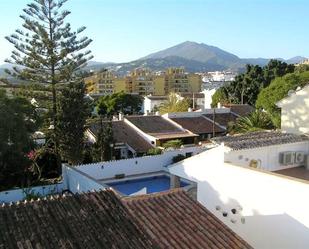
[134,166]
[39,191]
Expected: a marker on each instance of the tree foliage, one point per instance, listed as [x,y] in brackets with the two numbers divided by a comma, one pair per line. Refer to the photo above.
[256,121]
[175,144]
[277,90]
[174,104]
[119,102]
[247,86]
[46,49]
[103,148]
[73,110]
[17,119]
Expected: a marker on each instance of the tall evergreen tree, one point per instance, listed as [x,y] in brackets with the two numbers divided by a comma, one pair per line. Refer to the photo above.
[46,50]
[73,110]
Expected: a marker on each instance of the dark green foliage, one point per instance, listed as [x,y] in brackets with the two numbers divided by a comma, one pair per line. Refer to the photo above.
[73,110]
[178,158]
[247,86]
[277,90]
[17,123]
[220,96]
[119,102]
[46,49]
[177,143]
[154,151]
[104,146]
[255,121]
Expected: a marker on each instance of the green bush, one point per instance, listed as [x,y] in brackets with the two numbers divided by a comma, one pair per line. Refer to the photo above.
[154,151]
[177,143]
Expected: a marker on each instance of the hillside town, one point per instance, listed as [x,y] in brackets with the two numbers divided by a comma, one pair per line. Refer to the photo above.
[188,147]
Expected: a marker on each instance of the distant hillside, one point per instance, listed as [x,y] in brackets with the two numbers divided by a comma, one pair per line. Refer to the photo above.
[198,52]
[194,57]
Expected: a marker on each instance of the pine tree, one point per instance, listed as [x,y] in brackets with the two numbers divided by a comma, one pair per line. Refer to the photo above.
[46,50]
[73,110]
[103,148]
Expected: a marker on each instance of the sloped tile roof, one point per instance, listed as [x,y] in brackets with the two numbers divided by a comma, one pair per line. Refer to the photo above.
[92,220]
[241,110]
[174,220]
[123,133]
[222,119]
[259,139]
[198,125]
[158,127]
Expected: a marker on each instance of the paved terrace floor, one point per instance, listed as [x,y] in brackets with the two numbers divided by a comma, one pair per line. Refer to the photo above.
[297,172]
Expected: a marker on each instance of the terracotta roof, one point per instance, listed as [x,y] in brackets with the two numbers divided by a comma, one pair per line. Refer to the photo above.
[174,220]
[222,119]
[241,110]
[123,133]
[92,220]
[158,127]
[259,139]
[198,125]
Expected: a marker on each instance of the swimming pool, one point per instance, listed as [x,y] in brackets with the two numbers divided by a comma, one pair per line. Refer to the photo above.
[146,185]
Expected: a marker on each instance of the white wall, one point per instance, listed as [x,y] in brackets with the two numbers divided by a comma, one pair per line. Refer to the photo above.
[294,112]
[133,166]
[273,208]
[149,104]
[79,182]
[267,157]
[208,97]
[20,194]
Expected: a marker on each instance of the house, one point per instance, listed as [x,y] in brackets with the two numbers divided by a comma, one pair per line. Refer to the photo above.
[151,103]
[267,209]
[240,110]
[197,99]
[103,220]
[158,130]
[177,221]
[294,111]
[267,150]
[127,141]
[198,124]
[90,220]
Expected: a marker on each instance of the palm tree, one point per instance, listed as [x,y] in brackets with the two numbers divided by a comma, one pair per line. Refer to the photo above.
[256,121]
[174,104]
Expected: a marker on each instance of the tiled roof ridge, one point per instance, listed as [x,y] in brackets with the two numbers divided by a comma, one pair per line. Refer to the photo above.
[153,195]
[55,197]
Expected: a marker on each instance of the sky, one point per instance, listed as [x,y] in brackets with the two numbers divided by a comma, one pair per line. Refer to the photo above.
[125,30]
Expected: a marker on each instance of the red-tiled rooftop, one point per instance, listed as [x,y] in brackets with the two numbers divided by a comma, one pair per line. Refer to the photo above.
[123,133]
[222,119]
[92,220]
[158,127]
[241,110]
[174,220]
[198,125]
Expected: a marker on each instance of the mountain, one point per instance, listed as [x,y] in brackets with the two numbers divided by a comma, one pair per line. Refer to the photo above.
[296,59]
[200,52]
[193,56]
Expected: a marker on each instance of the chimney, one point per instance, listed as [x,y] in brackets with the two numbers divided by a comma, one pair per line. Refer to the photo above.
[120,116]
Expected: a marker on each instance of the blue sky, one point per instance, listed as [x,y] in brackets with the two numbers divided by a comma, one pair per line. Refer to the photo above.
[125,30]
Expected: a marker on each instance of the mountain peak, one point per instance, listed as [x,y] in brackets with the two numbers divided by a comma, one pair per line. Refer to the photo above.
[199,52]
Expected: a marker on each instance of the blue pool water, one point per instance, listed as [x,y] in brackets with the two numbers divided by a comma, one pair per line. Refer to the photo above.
[152,184]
